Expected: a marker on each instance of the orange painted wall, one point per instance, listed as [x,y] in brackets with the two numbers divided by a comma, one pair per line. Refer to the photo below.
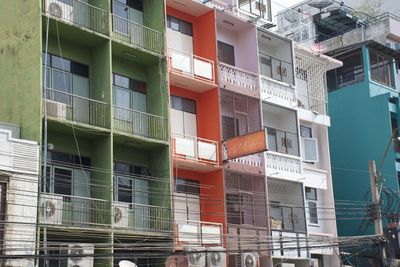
[208,112]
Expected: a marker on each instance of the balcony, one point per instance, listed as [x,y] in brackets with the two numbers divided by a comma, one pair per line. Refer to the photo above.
[140,123]
[198,233]
[195,153]
[277,163]
[238,80]
[138,35]
[78,13]
[288,244]
[140,217]
[289,218]
[277,92]
[74,211]
[65,106]
[190,71]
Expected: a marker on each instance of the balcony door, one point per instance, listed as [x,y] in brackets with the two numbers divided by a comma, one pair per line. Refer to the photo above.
[187,201]
[126,11]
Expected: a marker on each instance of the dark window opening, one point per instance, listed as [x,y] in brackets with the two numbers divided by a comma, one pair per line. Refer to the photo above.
[226,53]
[187,186]
[381,68]
[183,104]
[351,72]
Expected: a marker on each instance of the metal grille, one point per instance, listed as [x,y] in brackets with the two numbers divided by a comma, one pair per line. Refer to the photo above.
[311,83]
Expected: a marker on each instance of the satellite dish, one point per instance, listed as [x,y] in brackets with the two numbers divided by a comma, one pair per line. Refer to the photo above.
[318,47]
[126,263]
[320,4]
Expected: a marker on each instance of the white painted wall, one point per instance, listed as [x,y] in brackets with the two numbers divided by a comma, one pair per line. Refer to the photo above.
[20,161]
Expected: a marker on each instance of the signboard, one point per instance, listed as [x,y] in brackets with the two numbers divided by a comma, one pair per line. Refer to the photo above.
[244,145]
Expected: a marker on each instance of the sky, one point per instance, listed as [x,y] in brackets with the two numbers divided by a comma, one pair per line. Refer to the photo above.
[278,5]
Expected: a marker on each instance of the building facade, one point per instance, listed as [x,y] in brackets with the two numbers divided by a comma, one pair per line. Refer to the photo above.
[131,102]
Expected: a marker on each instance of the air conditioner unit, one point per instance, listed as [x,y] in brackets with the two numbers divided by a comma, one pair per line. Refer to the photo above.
[121,213]
[216,257]
[60,9]
[314,263]
[80,255]
[249,260]
[56,109]
[51,209]
[286,265]
[196,256]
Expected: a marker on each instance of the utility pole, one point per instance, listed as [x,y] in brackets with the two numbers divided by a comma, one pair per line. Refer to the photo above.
[377,208]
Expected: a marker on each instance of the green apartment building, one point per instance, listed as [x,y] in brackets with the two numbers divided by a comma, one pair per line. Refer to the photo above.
[87,79]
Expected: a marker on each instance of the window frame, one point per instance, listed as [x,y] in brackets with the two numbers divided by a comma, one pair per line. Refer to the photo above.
[380,68]
[180,22]
[312,212]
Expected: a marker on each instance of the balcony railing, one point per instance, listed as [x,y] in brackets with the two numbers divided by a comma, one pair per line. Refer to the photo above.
[78,13]
[138,35]
[283,217]
[133,216]
[191,65]
[76,108]
[238,76]
[140,123]
[282,163]
[76,211]
[199,233]
[252,160]
[195,149]
[271,88]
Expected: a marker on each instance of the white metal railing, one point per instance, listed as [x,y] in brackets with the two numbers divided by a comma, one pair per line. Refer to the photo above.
[195,148]
[79,13]
[140,123]
[70,210]
[271,88]
[198,233]
[252,160]
[137,34]
[282,163]
[136,216]
[238,76]
[76,108]
[191,65]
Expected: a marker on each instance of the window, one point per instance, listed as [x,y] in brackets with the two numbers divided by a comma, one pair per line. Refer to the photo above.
[130,183]
[281,125]
[67,175]
[183,116]
[226,53]
[309,145]
[351,72]
[179,25]
[187,186]
[240,114]
[187,200]
[275,57]
[381,68]
[129,94]
[245,199]
[311,196]
[63,78]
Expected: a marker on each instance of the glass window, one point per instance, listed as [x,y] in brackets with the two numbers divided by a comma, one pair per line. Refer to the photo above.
[179,25]
[60,63]
[125,189]
[80,69]
[311,196]
[183,104]
[61,81]
[187,186]
[381,68]
[63,181]
[226,53]
[305,132]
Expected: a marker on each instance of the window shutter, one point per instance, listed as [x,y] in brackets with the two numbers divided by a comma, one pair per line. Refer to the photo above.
[310,149]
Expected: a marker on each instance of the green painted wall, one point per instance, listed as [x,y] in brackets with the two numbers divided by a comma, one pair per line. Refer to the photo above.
[131,155]
[360,131]
[154,15]
[20,46]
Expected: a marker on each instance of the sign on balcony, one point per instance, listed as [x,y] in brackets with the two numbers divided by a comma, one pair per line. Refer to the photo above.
[245,145]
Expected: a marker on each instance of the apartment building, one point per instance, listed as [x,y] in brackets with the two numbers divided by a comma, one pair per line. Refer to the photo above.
[363,94]
[89,83]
